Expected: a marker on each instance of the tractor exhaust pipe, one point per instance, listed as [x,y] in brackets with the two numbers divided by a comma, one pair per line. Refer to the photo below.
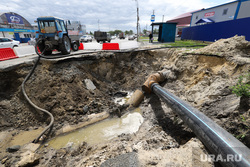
[228,151]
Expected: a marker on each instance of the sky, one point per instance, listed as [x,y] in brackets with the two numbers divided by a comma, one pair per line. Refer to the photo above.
[108,15]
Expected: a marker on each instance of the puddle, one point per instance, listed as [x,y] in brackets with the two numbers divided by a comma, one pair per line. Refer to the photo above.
[122,100]
[102,131]
[25,137]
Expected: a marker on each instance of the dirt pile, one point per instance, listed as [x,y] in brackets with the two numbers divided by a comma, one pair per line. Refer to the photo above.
[203,77]
[233,49]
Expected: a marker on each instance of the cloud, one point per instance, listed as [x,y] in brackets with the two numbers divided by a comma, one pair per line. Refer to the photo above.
[111,14]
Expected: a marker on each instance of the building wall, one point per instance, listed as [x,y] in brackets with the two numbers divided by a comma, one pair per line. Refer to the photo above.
[216,13]
[8,34]
[244,10]
[11,29]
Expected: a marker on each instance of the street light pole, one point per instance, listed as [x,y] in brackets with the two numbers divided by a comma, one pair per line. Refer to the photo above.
[98,25]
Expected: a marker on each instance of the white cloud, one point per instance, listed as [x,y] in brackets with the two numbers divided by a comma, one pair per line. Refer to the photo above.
[120,14]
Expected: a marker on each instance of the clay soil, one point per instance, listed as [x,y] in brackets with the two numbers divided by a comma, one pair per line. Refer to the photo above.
[202,77]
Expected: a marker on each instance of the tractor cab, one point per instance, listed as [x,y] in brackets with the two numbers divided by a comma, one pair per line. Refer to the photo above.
[51,26]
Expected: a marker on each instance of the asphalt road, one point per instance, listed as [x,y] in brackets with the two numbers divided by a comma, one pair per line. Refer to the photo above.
[124,44]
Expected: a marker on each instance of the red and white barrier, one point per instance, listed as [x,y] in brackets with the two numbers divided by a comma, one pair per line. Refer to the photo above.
[81,47]
[110,46]
[6,54]
[24,51]
[92,46]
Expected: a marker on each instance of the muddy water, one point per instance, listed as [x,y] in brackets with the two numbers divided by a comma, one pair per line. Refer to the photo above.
[101,132]
[25,137]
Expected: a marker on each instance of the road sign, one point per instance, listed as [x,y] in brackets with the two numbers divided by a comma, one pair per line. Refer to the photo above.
[152,18]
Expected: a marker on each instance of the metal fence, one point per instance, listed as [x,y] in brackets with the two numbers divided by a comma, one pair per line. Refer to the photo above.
[216,31]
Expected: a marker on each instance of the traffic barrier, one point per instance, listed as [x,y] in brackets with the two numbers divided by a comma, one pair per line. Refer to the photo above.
[6,54]
[110,46]
[81,47]
[129,45]
[24,51]
[92,46]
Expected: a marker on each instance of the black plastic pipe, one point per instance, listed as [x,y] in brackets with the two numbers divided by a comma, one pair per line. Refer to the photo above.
[227,150]
[50,126]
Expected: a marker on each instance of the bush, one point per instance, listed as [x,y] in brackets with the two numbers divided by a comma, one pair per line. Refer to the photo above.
[242,87]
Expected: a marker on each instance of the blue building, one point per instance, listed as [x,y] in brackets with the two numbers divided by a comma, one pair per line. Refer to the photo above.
[14,26]
[223,21]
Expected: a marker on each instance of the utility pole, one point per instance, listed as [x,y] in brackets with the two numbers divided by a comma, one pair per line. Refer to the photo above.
[137,24]
[162,18]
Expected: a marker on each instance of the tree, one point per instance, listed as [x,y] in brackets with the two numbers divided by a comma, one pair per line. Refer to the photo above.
[144,31]
[90,33]
[155,31]
[131,32]
[116,32]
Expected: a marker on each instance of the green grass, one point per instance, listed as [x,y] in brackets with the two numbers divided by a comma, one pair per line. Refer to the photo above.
[186,43]
[178,43]
[143,39]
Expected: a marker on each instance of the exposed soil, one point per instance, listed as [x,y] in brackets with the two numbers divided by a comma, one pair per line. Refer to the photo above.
[202,77]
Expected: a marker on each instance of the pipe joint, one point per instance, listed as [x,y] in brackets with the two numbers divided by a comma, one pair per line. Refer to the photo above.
[154,78]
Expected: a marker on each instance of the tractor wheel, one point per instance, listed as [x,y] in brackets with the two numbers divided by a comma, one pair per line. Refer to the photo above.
[65,45]
[74,46]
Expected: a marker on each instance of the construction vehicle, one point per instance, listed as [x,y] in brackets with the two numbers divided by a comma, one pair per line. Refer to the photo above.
[54,33]
[102,36]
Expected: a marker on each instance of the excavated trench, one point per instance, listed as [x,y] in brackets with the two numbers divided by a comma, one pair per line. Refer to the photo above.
[75,90]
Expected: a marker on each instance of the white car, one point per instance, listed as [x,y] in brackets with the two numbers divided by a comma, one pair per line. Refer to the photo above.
[8,43]
[86,38]
[131,37]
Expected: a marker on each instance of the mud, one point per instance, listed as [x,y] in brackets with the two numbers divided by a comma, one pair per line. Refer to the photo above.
[203,77]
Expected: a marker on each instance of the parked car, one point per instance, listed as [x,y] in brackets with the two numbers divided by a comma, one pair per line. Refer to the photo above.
[32,41]
[113,37]
[8,43]
[131,37]
[86,38]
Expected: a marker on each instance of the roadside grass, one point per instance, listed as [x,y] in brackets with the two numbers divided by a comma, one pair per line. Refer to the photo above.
[179,43]
[186,43]
[143,39]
